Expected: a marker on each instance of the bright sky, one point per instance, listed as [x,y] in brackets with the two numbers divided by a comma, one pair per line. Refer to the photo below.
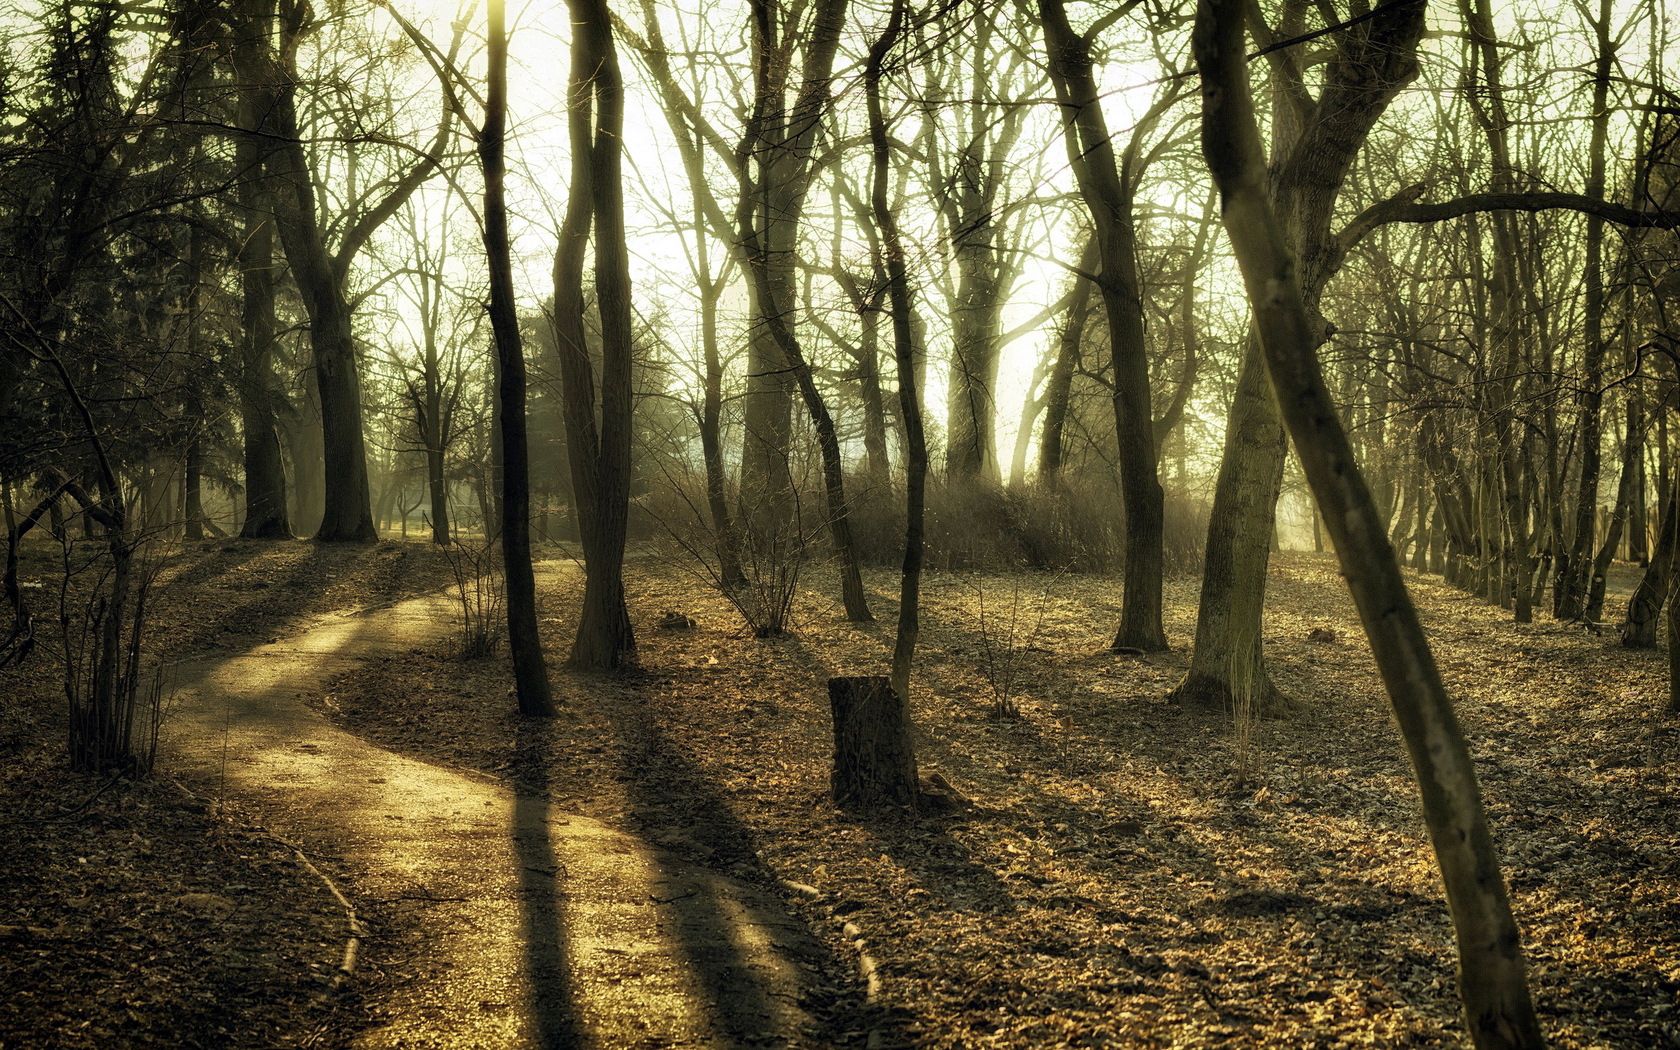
[539,62]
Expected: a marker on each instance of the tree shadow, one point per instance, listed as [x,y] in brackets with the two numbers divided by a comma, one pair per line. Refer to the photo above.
[553,1005]
[679,808]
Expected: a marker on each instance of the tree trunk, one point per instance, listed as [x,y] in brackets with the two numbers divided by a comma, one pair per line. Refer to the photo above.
[1633,450]
[347,511]
[1227,666]
[437,491]
[768,238]
[877,462]
[1575,587]
[1314,145]
[321,274]
[530,674]
[874,758]
[909,392]
[1059,389]
[1492,979]
[711,409]
[1110,198]
[600,458]
[265,472]
[1674,652]
[192,489]
[1644,608]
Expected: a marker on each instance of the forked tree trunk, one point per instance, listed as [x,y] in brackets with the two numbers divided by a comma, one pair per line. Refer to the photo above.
[1315,142]
[600,457]
[322,274]
[1492,978]
[530,673]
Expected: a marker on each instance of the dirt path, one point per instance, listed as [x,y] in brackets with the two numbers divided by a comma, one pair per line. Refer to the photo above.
[536,928]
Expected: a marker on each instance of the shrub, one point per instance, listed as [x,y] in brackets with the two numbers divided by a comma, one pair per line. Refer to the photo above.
[479,592]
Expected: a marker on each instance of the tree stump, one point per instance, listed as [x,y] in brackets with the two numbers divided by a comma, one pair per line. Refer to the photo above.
[874,760]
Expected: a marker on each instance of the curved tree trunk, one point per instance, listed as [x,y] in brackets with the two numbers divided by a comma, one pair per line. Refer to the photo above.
[1645,606]
[1492,979]
[1109,198]
[904,356]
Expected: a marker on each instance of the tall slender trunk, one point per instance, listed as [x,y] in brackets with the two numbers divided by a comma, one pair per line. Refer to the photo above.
[904,356]
[711,434]
[1058,390]
[1109,197]
[1575,584]
[265,472]
[530,674]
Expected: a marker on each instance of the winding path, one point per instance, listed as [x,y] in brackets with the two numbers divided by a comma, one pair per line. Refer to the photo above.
[536,928]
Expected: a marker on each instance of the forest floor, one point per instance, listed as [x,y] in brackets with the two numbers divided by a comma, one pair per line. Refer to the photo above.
[1122,872]
[140,912]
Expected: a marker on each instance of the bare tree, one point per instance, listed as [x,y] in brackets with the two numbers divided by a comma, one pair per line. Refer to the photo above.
[600,456]
[1492,978]
[321,269]
[530,673]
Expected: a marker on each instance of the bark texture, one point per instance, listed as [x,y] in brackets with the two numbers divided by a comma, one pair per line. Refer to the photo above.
[874,761]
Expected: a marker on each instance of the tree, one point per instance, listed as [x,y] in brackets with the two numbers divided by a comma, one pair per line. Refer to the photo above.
[1109,189]
[874,753]
[599,456]
[1492,979]
[971,188]
[529,671]
[321,270]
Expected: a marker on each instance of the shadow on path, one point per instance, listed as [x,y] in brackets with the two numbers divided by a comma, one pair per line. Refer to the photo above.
[762,969]
[542,904]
